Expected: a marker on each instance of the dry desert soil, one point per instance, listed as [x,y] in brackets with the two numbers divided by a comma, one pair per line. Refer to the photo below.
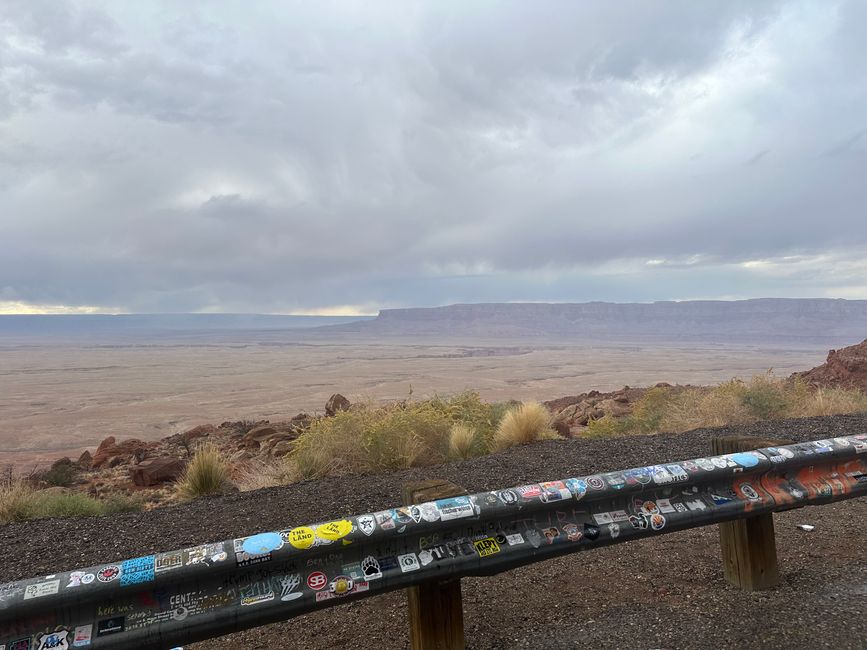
[58,399]
[662,592]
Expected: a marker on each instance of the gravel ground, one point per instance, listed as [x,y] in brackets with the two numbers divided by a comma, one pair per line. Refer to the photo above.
[661,592]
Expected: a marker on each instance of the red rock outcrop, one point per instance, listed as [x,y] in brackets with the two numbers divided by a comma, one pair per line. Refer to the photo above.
[846,367]
[157,470]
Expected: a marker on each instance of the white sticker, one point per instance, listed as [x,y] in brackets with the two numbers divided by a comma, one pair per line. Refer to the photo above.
[603,518]
[41,589]
[408,562]
[82,635]
[514,539]
[665,505]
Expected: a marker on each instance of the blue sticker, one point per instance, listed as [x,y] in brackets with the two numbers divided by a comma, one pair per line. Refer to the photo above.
[745,460]
[136,571]
[262,543]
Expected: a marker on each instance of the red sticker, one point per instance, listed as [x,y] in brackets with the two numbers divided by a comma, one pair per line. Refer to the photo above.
[317,580]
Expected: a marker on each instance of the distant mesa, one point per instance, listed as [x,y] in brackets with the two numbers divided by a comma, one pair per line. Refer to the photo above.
[805,320]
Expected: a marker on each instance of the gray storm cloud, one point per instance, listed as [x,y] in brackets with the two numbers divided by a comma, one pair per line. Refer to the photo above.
[302,156]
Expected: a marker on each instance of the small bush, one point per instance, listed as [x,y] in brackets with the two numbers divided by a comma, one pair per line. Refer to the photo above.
[464,442]
[405,434]
[206,474]
[522,425]
[58,475]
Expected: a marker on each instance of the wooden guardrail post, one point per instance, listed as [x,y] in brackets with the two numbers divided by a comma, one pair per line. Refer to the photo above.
[436,612]
[749,547]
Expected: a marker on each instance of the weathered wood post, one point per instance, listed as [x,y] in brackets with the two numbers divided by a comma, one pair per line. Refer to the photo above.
[436,612]
[749,547]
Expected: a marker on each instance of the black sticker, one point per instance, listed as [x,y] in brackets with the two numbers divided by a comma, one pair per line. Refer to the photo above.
[110,626]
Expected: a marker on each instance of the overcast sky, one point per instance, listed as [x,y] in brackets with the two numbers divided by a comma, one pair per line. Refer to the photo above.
[321,157]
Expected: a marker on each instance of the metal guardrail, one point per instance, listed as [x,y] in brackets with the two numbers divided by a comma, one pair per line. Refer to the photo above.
[191,594]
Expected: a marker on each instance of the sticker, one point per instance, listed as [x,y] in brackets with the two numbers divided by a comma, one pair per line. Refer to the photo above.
[705,464]
[257,592]
[366,524]
[577,487]
[665,506]
[591,532]
[528,492]
[341,586]
[638,476]
[370,568]
[657,522]
[169,561]
[56,640]
[20,644]
[661,476]
[696,504]
[554,491]
[137,570]
[614,530]
[487,547]
[110,626]
[719,462]
[402,515]
[302,537]
[384,520]
[616,480]
[334,530]
[262,543]
[75,579]
[87,578]
[354,588]
[602,518]
[639,521]
[288,584]
[454,508]
[425,557]
[208,553]
[551,534]
[677,472]
[749,492]
[690,466]
[745,459]
[40,589]
[82,635]
[243,558]
[619,515]
[514,539]
[596,482]
[408,562]
[534,538]
[573,533]
[650,507]
[508,497]
[429,512]
[317,580]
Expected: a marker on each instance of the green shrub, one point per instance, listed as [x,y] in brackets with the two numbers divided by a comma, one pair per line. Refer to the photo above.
[20,502]
[58,475]
[370,438]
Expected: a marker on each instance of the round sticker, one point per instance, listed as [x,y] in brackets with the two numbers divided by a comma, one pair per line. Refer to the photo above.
[302,537]
[107,574]
[87,578]
[341,585]
[334,530]
[657,522]
[650,507]
[317,580]
[596,482]
[262,543]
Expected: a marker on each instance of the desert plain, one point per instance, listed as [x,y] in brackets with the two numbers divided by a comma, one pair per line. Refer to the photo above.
[60,398]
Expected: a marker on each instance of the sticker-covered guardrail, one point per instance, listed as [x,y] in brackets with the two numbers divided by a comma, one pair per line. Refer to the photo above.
[180,596]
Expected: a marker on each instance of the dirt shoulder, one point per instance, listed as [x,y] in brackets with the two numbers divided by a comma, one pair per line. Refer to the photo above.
[665,592]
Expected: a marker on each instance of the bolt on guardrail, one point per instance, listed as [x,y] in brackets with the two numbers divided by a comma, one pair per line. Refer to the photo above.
[185,595]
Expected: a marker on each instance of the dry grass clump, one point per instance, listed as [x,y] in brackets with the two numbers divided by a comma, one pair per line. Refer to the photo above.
[464,442]
[257,475]
[522,425]
[405,434]
[19,501]
[764,397]
[206,474]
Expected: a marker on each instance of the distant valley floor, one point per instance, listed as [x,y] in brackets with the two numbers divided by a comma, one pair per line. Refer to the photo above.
[60,399]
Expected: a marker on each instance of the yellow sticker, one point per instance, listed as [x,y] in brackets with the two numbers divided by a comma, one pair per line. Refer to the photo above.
[334,530]
[486,547]
[302,537]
